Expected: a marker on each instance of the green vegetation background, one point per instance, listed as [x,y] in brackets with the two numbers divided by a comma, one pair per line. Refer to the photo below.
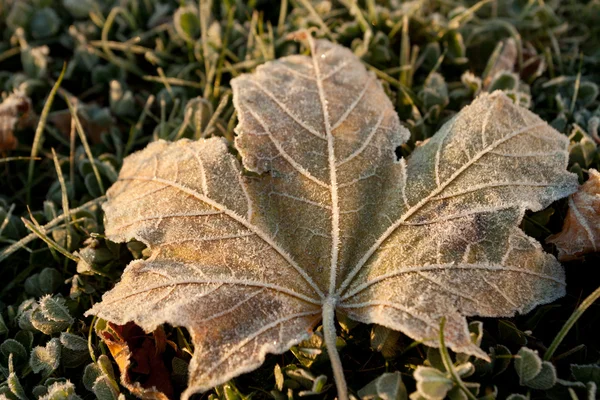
[139,70]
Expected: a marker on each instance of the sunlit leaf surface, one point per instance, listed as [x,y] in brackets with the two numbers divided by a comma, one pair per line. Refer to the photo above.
[247,261]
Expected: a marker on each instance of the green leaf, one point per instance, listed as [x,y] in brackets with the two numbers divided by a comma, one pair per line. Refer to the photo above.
[51,315]
[74,350]
[458,394]
[18,351]
[19,15]
[61,391]
[55,309]
[79,8]
[432,383]
[434,92]
[388,386]
[91,372]
[105,389]
[501,357]
[3,327]
[279,378]
[504,80]
[586,373]
[528,364]
[46,359]
[456,47]
[50,279]
[44,23]
[187,23]
[465,370]
[311,350]
[302,376]
[476,333]
[588,92]
[46,282]
[533,372]
[25,338]
[384,340]
[15,386]
[101,370]
[545,379]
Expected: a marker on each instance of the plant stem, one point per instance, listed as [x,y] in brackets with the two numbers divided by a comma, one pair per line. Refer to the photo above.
[585,304]
[39,131]
[449,366]
[330,339]
[7,251]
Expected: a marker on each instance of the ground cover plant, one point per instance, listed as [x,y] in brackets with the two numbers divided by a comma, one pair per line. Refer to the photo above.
[87,83]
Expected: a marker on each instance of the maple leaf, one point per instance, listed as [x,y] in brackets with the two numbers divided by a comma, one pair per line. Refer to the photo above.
[581,230]
[331,221]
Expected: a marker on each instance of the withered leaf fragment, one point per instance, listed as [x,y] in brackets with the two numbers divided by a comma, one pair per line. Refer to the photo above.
[14,114]
[333,222]
[139,356]
[581,230]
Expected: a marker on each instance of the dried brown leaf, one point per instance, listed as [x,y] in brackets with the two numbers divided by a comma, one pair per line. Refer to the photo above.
[140,360]
[333,221]
[93,129]
[14,114]
[581,230]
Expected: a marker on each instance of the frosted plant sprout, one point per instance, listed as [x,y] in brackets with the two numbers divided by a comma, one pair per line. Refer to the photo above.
[333,222]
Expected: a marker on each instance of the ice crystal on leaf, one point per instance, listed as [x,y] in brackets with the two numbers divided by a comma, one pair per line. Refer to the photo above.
[250,263]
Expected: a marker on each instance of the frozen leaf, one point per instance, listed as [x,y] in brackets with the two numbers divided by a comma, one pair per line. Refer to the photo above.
[55,309]
[517,396]
[528,364]
[532,371]
[94,371]
[104,389]
[46,282]
[74,350]
[46,359]
[99,378]
[581,230]
[431,383]
[61,391]
[330,220]
[13,383]
[388,386]
[314,384]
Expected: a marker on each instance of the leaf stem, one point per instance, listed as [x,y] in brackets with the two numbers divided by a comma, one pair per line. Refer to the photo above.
[585,304]
[330,336]
[449,366]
